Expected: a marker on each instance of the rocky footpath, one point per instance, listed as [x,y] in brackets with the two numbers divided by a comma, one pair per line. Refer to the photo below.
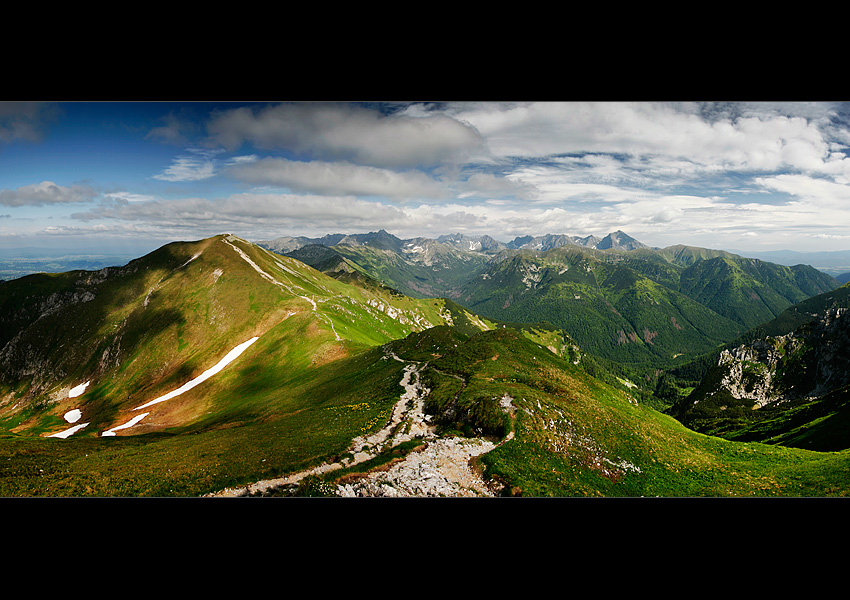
[441,468]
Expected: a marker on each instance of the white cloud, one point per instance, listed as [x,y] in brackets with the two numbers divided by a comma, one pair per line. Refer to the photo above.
[347,132]
[705,174]
[197,166]
[128,197]
[46,193]
[823,192]
[339,178]
[487,185]
[656,220]
[658,131]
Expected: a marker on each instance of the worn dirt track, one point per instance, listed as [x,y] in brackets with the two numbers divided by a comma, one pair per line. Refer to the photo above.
[440,469]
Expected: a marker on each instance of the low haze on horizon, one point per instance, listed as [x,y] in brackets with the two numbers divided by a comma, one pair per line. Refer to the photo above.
[751,177]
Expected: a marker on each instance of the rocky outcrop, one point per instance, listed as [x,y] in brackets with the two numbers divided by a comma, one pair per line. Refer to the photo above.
[750,371]
[806,364]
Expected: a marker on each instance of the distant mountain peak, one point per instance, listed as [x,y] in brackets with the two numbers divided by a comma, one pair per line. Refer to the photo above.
[619,241]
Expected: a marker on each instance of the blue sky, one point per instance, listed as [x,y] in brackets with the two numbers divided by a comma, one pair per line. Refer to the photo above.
[135,175]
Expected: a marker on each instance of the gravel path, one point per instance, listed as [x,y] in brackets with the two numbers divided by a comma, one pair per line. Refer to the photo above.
[441,468]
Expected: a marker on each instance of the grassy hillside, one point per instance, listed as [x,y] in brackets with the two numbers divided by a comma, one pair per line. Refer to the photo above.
[609,308]
[325,365]
[637,307]
[256,424]
[565,433]
[790,389]
[574,435]
[679,381]
[143,330]
[750,291]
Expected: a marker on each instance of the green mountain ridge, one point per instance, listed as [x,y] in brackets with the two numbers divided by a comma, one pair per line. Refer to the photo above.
[325,359]
[138,331]
[619,299]
[610,309]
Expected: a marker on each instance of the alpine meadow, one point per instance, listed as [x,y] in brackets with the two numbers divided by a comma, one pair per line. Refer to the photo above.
[424,299]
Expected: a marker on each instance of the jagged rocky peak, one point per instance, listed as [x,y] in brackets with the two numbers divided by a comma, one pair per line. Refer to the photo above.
[378,239]
[482,244]
[285,244]
[541,242]
[616,240]
[619,241]
[472,243]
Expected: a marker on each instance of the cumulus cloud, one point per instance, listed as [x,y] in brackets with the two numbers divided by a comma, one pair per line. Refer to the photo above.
[340,178]
[267,213]
[698,173]
[45,193]
[128,196]
[491,186]
[347,132]
[825,192]
[750,140]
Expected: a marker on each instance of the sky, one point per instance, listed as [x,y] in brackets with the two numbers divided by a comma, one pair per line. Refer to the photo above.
[132,176]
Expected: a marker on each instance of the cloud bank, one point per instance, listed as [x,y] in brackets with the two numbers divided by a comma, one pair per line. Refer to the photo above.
[730,175]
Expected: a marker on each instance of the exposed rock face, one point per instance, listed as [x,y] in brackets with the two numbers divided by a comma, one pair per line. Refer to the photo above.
[751,370]
[808,363]
[20,358]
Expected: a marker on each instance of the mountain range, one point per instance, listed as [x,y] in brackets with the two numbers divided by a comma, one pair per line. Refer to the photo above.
[368,365]
[619,298]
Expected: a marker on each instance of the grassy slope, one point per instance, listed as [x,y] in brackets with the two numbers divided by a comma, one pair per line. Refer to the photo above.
[609,308]
[575,436]
[817,423]
[278,425]
[751,291]
[691,374]
[162,321]
[298,396]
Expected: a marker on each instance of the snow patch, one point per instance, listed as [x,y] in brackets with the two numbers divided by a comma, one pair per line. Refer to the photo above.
[231,356]
[190,260]
[78,391]
[72,416]
[130,423]
[68,432]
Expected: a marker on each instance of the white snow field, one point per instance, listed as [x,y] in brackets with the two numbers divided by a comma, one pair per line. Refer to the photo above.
[68,432]
[78,391]
[229,358]
[72,416]
[130,423]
